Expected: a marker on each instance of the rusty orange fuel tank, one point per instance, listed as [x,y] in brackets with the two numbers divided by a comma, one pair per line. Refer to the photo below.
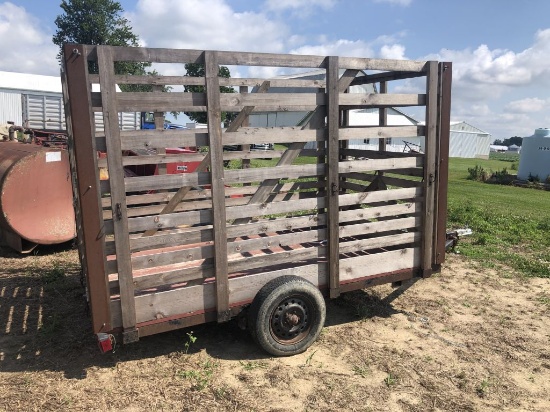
[36,201]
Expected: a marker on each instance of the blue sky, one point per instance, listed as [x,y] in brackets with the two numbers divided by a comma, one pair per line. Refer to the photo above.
[500,49]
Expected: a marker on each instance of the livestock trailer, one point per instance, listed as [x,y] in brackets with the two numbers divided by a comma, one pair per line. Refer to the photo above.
[265,240]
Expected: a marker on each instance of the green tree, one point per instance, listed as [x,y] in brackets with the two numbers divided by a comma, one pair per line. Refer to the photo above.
[98,22]
[513,140]
[197,70]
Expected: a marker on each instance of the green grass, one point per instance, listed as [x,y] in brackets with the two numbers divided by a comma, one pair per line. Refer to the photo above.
[510,224]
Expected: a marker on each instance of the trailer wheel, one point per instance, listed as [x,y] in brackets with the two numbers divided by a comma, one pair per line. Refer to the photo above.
[287,315]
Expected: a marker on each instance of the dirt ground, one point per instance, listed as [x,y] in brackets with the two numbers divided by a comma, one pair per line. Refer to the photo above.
[467,339]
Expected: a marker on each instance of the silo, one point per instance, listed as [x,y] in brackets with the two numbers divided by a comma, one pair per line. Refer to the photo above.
[534,160]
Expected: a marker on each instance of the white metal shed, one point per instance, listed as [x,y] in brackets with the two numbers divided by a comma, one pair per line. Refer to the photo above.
[36,101]
[469,141]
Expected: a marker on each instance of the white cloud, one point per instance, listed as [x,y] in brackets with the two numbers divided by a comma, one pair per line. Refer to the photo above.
[25,47]
[395,2]
[527,105]
[394,51]
[356,48]
[205,24]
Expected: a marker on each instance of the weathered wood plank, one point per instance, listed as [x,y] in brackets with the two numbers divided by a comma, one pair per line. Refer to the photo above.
[203,234]
[243,289]
[204,216]
[205,193]
[80,127]
[190,254]
[118,195]
[159,55]
[144,183]
[430,168]
[332,176]
[174,138]
[381,100]
[218,192]
[196,102]
[386,77]
[382,64]
[199,81]
[376,132]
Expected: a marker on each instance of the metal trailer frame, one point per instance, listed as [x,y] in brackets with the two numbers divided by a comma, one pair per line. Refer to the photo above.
[159,255]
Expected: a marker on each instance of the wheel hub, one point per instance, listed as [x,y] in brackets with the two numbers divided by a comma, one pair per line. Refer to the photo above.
[290,321]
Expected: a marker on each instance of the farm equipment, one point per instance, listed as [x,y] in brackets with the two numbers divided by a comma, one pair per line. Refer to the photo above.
[168,251]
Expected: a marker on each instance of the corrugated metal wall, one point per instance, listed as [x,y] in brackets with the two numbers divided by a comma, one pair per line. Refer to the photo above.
[126,121]
[10,107]
[469,145]
[41,111]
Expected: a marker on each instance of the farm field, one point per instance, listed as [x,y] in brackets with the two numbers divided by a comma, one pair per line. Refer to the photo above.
[473,338]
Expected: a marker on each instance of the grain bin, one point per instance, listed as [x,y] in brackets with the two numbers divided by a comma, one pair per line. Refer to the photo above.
[36,205]
[534,160]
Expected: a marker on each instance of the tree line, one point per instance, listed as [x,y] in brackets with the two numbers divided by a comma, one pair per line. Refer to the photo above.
[516,140]
[100,22]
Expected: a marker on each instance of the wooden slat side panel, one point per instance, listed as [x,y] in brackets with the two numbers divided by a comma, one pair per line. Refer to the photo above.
[205,216]
[195,235]
[145,183]
[202,297]
[206,250]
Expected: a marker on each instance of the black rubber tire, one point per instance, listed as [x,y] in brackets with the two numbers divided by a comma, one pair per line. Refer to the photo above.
[287,315]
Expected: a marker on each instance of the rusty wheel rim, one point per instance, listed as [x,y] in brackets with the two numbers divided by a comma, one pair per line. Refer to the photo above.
[290,320]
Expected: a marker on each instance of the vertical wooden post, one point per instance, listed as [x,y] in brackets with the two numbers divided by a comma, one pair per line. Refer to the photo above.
[382,118]
[218,188]
[430,148]
[333,157]
[87,191]
[245,147]
[444,125]
[159,124]
[118,192]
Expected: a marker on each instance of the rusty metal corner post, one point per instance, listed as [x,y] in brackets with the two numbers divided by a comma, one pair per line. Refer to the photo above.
[118,193]
[333,190]
[80,128]
[445,71]
[213,107]
[430,167]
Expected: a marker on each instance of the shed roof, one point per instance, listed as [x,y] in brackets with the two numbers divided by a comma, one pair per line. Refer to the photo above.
[32,82]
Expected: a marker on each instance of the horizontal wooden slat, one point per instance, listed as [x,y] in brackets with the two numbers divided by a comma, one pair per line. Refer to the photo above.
[148,260]
[159,55]
[382,100]
[385,77]
[382,132]
[148,139]
[160,80]
[242,289]
[262,102]
[196,102]
[205,193]
[195,235]
[161,182]
[145,139]
[185,218]
[193,157]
